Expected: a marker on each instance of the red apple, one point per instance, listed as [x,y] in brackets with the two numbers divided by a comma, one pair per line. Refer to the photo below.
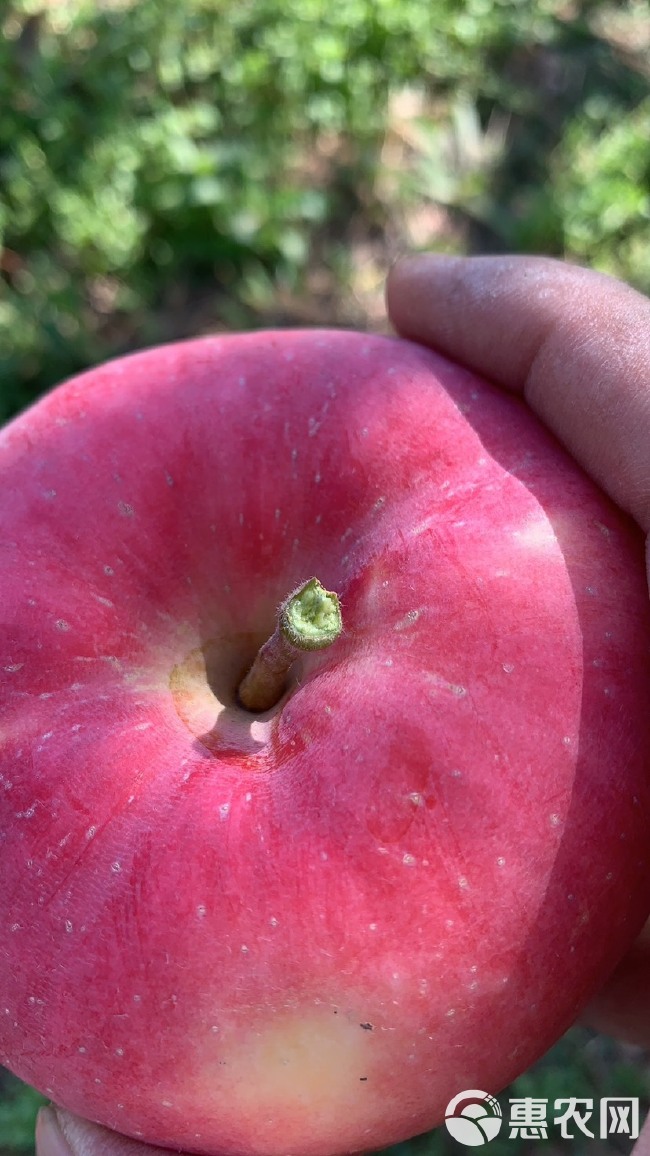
[305,931]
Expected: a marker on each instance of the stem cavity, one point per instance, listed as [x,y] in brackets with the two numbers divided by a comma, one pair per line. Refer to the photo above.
[309,619]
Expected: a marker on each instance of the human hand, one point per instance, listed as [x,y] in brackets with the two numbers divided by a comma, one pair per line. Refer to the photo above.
[59,1133]
[576,345]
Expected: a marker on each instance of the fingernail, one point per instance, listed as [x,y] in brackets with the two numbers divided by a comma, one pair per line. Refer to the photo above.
[428,256]
[413,263]
[49,1137]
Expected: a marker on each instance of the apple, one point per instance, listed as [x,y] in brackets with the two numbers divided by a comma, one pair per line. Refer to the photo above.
[303,929]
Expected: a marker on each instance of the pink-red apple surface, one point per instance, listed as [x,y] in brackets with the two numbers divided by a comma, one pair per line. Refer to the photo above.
[303,932]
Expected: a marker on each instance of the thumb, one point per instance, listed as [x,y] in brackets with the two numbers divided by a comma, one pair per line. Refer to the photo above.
[59,1133]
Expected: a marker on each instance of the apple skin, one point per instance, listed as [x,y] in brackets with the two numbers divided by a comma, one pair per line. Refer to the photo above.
[303,932]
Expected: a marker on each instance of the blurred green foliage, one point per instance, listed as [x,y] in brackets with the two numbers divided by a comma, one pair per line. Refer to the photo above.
[218,144]
[18,1107]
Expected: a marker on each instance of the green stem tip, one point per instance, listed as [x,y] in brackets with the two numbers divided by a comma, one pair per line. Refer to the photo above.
[309,619]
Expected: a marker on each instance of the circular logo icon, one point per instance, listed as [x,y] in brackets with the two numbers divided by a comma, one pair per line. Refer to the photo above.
[473,1118]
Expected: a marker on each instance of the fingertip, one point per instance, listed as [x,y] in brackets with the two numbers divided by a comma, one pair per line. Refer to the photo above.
[408,264]
[50,1140]
[408,276]
[574,342]
[60,1133]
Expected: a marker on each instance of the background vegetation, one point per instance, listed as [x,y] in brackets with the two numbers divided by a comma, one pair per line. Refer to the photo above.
[170,169]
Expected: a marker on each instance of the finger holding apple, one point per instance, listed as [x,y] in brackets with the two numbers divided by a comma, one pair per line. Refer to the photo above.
[59,1133]
[304,928]
[573,342]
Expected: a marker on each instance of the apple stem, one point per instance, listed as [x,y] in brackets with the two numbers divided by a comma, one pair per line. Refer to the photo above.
[308,619]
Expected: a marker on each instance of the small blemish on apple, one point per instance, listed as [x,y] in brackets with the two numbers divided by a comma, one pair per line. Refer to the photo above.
[103,601]
[409,619]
